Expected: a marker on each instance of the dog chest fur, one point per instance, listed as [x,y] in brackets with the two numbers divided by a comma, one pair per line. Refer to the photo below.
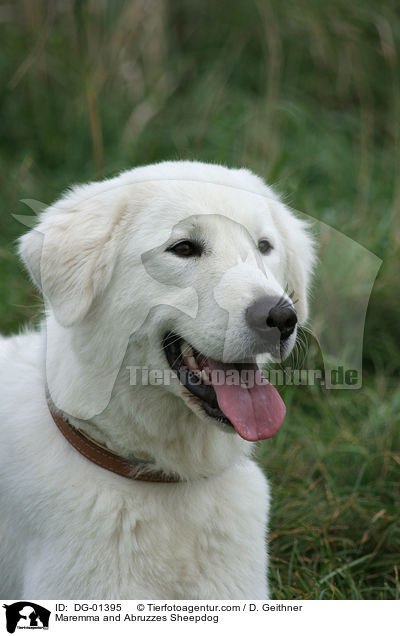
[72,530]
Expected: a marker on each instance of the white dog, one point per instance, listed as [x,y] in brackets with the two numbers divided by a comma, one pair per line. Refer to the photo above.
[162,286]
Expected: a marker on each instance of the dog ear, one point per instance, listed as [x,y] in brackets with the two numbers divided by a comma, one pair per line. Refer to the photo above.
[300,256]
[71,253]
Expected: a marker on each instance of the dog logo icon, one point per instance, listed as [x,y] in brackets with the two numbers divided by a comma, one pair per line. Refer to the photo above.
[26,615]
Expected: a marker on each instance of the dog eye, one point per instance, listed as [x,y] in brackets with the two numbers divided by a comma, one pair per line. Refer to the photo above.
[264,246]
[185,249]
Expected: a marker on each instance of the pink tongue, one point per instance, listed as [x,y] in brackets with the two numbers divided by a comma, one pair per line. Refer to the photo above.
[257,410]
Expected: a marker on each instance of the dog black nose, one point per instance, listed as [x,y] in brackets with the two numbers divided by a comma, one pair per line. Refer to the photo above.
[284,317]
[267,312]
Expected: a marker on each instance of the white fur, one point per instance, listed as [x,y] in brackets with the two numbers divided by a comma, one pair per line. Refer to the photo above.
[69,529]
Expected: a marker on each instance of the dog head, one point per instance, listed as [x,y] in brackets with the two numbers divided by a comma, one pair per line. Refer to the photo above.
[184,266]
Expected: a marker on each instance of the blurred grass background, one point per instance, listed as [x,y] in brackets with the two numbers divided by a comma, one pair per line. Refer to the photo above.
[305,93]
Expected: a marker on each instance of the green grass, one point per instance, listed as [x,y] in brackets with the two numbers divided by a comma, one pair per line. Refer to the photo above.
[334,470]
[305,93]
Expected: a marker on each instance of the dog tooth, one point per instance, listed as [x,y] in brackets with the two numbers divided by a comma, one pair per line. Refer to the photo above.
[205,376]
[186,350]
[191,362]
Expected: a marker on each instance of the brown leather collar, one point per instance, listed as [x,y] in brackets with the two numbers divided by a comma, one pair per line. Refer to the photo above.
[104,457]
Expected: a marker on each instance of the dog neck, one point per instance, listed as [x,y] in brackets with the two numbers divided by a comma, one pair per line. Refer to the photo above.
[132,468]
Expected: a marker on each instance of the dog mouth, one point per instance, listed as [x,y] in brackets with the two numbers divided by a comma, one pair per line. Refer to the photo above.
[234,394]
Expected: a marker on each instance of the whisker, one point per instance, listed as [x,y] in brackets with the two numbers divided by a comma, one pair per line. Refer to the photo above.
[177,359]
[171,343]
